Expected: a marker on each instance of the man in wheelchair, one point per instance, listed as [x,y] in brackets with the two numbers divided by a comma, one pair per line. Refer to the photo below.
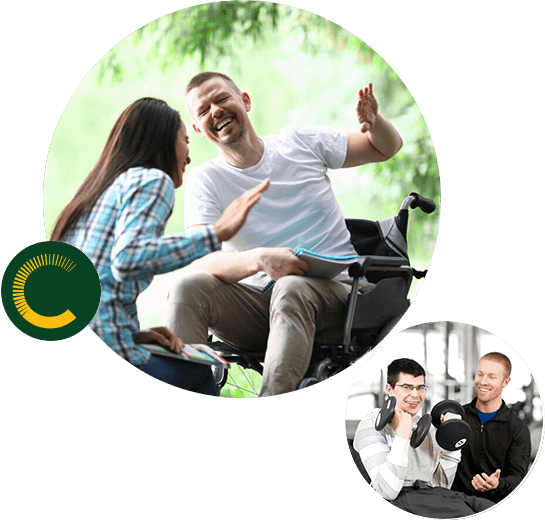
[224,292]
[413,463]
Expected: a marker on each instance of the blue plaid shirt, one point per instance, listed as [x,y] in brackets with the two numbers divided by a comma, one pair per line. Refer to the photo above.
[123,237]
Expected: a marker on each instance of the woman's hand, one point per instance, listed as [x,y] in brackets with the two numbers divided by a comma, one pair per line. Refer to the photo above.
[236,213]
[162,336]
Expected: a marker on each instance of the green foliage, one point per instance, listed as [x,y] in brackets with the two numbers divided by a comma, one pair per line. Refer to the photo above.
[216,30]
[207,32]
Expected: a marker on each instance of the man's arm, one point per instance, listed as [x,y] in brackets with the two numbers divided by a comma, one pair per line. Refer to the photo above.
[386,465]
[446,469]
[516,466]
[377,139]
[231,267]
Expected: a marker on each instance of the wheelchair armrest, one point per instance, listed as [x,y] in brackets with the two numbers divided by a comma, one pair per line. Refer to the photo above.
[366,263]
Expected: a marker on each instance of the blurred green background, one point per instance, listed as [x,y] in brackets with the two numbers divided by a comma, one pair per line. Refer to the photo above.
[298,68]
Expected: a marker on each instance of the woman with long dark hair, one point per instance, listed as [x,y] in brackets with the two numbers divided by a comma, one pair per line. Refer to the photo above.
[117,218]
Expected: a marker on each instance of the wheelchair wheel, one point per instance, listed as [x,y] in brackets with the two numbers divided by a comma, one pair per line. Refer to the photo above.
[239,382]
[324,369]
[387,328]
[220,375]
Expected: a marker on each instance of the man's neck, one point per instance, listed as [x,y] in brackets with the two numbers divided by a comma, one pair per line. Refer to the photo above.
[491,406]
[245,154]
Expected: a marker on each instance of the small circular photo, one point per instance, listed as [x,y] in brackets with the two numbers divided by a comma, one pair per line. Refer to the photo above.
[444,420]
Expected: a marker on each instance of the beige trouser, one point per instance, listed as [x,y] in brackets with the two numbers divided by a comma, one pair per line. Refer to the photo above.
[283,322]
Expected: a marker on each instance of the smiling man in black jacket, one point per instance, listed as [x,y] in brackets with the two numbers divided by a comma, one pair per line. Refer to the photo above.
[496,459]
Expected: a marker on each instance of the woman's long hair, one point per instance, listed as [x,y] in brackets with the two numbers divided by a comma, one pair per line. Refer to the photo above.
[143,135]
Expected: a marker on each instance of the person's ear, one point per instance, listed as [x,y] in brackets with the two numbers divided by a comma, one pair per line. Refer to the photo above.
[247,101]
[197,130]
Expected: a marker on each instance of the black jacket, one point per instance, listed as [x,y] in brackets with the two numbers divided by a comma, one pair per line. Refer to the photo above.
[502,443]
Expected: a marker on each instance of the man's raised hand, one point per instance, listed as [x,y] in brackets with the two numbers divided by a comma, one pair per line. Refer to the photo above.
[367,108]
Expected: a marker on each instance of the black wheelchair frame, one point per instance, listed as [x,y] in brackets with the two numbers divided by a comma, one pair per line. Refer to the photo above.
[370,316]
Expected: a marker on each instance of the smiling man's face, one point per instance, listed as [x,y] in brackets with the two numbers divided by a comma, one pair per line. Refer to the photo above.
[219,112]
[409,392]
[490,380]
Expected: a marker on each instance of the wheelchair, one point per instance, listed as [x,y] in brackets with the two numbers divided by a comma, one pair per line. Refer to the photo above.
[370,316]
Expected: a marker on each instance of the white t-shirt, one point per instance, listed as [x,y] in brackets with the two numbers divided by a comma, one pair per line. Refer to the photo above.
[298,209]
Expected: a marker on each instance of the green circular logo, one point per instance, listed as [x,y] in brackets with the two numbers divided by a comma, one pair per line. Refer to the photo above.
[50,290]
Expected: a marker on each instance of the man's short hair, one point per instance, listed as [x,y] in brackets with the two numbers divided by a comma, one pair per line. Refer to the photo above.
[405,366]
[498,357]
[202,77]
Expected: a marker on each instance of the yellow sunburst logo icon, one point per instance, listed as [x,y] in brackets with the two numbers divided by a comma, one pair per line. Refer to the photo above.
[45,322]
[50,290]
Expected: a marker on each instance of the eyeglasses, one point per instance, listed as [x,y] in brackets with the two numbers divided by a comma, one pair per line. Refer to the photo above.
[409,388]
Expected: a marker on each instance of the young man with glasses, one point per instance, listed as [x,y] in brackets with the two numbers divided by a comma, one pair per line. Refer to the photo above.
[418,479]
